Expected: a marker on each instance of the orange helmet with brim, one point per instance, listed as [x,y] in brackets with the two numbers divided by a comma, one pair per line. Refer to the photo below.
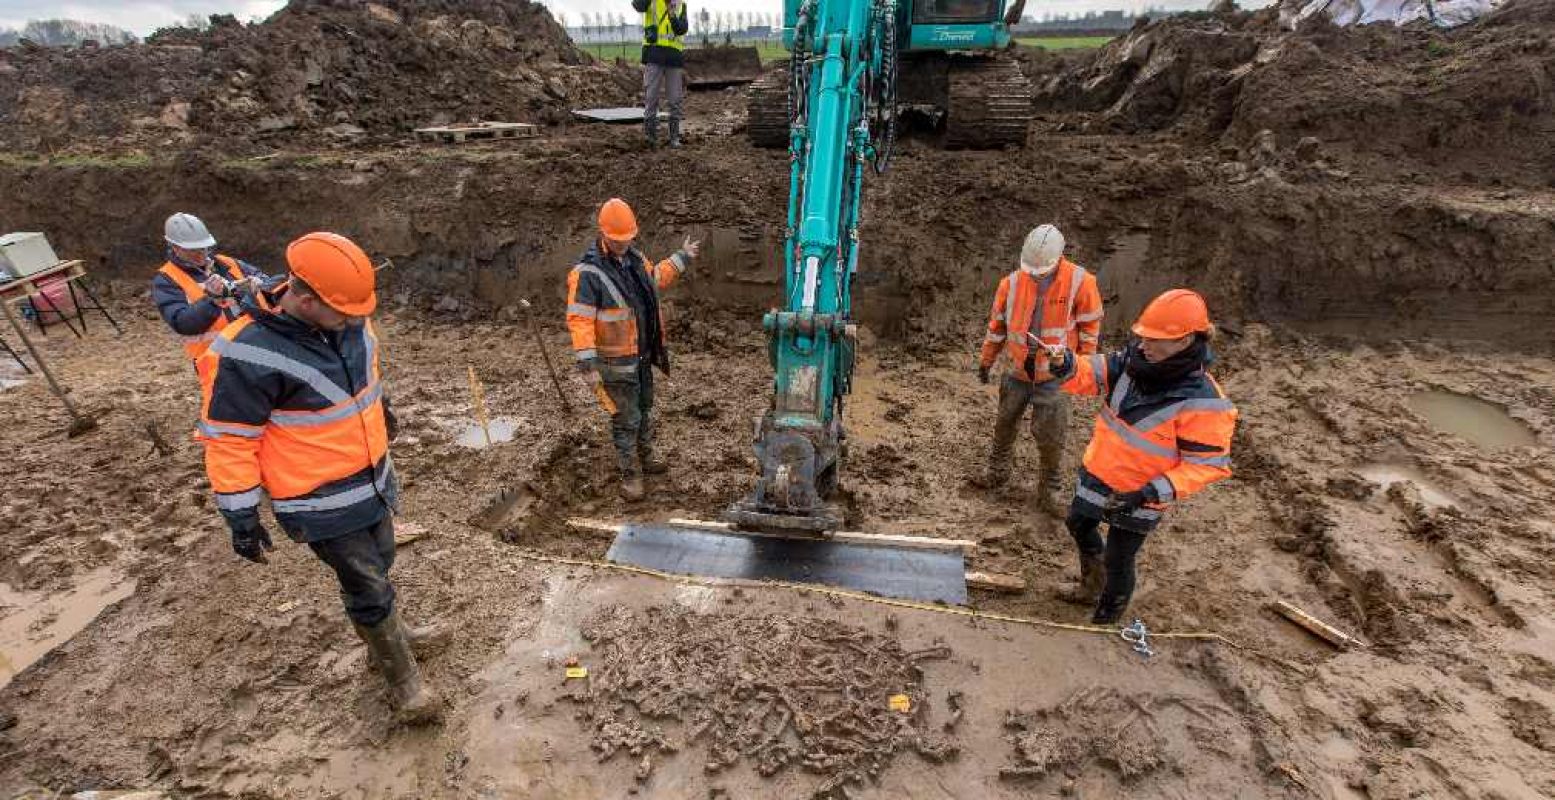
[616,220]
[1173,315]
[337,270]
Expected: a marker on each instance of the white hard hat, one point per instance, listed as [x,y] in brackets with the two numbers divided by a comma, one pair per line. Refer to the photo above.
[187,231]
[1044,247]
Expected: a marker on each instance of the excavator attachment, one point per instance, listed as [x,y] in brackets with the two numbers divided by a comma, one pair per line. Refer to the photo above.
[721,66]
[790,494]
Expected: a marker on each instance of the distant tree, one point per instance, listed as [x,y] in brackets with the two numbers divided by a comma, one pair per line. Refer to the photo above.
[66,33]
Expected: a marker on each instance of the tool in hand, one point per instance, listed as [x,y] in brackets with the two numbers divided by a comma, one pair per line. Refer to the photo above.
[545,354]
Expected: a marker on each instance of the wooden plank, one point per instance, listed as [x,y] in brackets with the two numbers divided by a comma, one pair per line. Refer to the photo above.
[996,582]
[856,537]
[1317,627]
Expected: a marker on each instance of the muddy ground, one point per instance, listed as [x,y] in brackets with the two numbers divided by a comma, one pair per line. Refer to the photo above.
[1365,300]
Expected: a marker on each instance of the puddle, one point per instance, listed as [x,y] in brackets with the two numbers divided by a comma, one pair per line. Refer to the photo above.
[1472,419]
[500,428]
[35,623]
[1389,474]
[10,374]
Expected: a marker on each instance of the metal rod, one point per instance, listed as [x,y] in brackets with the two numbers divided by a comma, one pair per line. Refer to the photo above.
[545,354]
[478,399]
[98,305]
[78,422]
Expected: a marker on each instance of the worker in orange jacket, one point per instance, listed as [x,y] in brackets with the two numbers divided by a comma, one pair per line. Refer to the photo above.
[1048,301]
[294,409]
[197,291]
[617,329]
[1163,434]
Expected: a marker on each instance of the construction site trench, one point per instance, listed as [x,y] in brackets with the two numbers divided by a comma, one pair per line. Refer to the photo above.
[1385,303]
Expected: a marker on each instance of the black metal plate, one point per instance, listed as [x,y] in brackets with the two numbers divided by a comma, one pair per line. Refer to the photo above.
[906,573]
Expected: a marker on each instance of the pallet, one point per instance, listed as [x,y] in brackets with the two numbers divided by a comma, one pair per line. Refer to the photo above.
[456,134]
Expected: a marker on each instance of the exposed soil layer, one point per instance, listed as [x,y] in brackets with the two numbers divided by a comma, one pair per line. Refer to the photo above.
[318,70]
[1348,285]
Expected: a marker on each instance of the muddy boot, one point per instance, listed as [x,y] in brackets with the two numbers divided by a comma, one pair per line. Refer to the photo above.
[632,487]
[1093,577]
[1109,609]
[651,132]
[414,701]
[675,134]
[651,463]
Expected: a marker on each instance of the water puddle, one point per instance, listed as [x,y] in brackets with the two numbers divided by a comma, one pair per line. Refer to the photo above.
[1389,474]
[1472,419]
[11,375]
[36,623]
[500,429]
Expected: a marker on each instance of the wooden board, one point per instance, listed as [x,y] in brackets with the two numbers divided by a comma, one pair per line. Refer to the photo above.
[1316,627]
[455,134]
[854,537]
[995,582]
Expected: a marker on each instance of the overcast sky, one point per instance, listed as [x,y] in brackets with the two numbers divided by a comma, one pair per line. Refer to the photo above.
[145,16]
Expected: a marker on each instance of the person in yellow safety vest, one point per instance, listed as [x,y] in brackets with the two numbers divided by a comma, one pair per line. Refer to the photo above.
[1047,301]
[664,64]
[618,338]
[294,408]
[196,290]
[1163,433]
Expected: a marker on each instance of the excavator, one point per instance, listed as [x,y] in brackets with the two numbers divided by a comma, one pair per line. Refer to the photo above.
[855,65]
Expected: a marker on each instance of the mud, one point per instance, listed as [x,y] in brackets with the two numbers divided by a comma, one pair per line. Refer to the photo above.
[1346,284]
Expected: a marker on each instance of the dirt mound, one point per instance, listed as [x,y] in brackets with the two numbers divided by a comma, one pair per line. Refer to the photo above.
[1477,99]
[325,70]
[777,690]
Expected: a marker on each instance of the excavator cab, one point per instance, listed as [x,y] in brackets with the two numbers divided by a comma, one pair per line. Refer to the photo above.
[950,61]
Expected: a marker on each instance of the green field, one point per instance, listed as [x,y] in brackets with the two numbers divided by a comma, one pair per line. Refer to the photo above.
[1064,42]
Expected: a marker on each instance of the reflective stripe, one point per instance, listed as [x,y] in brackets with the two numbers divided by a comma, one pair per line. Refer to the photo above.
[307,418]
[1074,290]
[1087,337]
[1010,282]
[1134,439]
[1000,318]
[1208,461]
[240,501]
[1195,404]
[1053,333]
[995,338]
[581,310]
[330,502]
[1088,495]
[679,262]
[1091,317]
[1099,500]
[610,287]
[615,315]
[1099,372]
[586,354]
[1164,489]
[248,353]
[1146,514]
[1120,392]
[215,429]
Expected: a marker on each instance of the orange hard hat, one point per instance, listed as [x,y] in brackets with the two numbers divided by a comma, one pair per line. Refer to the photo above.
[337,271]
[616,220]
[1173,315]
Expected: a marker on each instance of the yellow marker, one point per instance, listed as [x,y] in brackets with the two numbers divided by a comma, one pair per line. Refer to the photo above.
[577,672]
[901,702]
[478,401]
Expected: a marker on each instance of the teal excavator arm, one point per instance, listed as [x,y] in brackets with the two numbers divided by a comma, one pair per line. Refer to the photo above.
[842,118]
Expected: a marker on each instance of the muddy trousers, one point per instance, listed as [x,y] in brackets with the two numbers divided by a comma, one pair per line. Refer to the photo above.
[361,560]
[1049,422]
[664,82]
[1118,551]
[631,426]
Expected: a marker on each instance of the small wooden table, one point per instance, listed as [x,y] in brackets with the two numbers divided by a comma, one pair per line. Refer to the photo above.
[29,286]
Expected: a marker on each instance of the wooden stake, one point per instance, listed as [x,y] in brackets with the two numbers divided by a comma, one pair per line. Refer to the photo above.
[1317,627]
[478,400]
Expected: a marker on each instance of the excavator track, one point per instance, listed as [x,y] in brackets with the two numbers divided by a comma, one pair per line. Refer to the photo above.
[766,109]
[989,104]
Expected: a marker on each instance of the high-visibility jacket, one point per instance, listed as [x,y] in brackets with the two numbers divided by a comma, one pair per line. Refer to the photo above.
[178,295]
[662,31]
[599,316]
[1177,440]
[1071,314]
[297,414]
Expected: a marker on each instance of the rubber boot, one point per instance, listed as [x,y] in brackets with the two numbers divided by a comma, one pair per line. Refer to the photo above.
[1093,578]
[414,700]
[425,640]
[651,132]
[997,474]
[675,134]
[651,463]
[1109,609]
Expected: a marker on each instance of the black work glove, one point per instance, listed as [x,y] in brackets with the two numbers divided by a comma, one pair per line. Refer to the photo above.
[391,421]
[250,540]
[982,374]
[1126,502]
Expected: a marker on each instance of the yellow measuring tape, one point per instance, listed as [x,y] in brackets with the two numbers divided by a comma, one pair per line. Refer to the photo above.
[970,613]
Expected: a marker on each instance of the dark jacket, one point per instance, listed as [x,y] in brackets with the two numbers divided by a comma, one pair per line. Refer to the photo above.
[318,395]
[193,319]
[658,54]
